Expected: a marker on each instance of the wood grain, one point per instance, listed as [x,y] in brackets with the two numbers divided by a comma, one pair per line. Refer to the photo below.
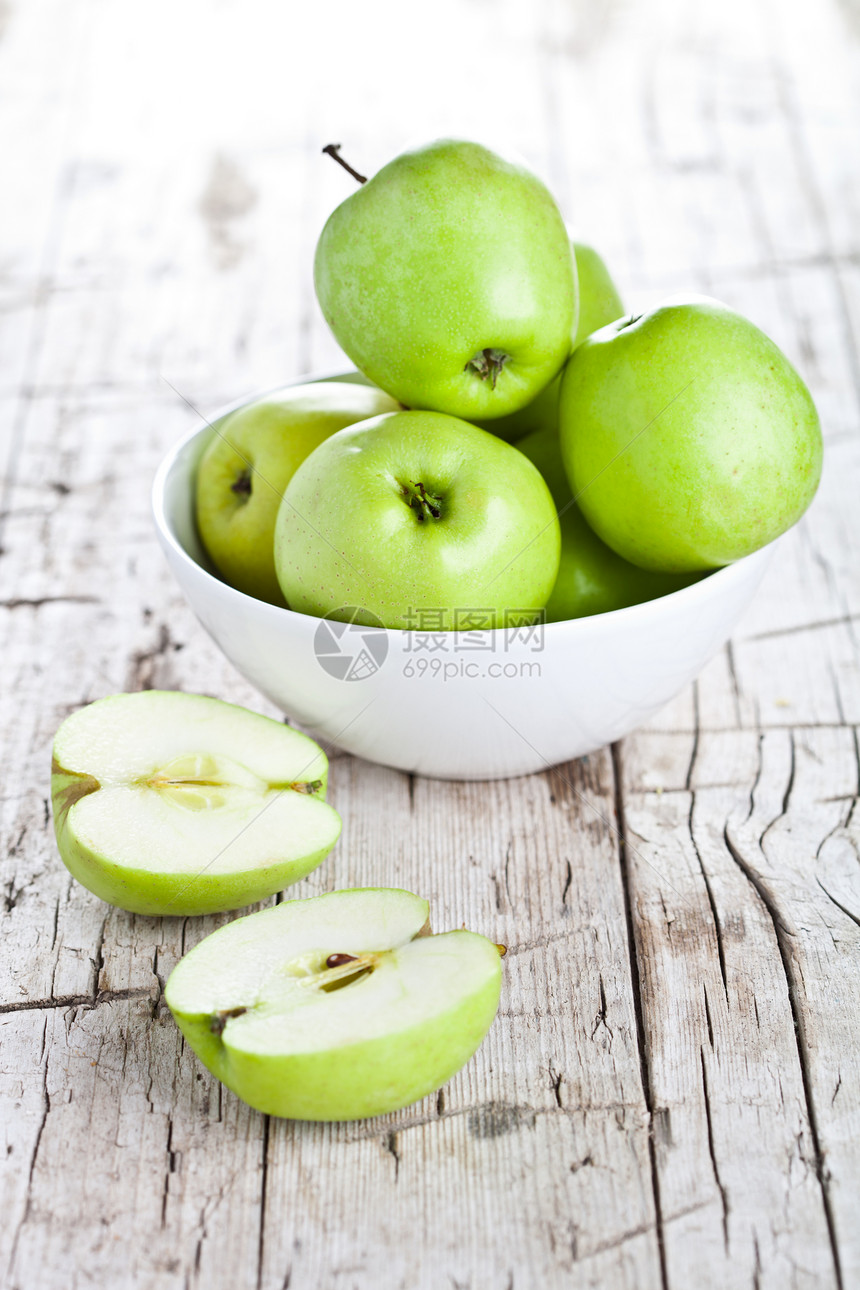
[671,1092]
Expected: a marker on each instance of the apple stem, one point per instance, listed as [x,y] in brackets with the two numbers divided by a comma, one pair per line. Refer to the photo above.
[307,786]
[488,364]
[333,150]
[241,486]
[425,505]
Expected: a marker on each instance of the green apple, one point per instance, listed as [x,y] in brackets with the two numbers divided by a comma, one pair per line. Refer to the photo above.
[688,438]
[599,301]
[416,512]
[168,803]
[599,304]
[337,1007]
[449,280]
[592,579]
[251,459]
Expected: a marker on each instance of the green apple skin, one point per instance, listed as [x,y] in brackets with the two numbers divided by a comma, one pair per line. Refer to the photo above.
[251,459]
[351,1077]
[448,252]
[141,892]
[592,579]
[599,301]
[170,889]
[542,411]
[599,304]
[352,531]
[688,438]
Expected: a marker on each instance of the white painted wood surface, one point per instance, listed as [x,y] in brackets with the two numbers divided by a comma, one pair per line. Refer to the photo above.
[670,1096]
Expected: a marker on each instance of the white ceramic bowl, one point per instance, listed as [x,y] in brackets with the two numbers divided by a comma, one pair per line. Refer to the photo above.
[459,706]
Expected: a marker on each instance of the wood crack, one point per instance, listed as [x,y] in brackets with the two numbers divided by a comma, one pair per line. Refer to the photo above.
[724,1199]
[783,938]
[541,942]
[390,1144]
[843,909]
[642,1229]
[510,1113]
[264,1181]
[638,1008]
[567,882]
[841,620]
[46,1110]
[98,961]
[696,730]
[171,1168]
[718,931]
[22,602]
[77,1000]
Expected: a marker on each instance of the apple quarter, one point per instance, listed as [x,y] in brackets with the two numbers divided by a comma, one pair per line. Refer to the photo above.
[169,803]
[337,1007]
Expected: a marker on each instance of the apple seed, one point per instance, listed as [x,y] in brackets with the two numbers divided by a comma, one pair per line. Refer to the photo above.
[338,960]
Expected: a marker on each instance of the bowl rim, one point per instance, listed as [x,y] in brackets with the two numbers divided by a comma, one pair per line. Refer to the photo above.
[703,589]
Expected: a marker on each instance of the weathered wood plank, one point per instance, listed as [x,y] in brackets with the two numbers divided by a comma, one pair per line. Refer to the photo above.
[723,1056]
[118,1079]
[800,810]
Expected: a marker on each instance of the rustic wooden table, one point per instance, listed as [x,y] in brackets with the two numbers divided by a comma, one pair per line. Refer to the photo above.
[670,1096]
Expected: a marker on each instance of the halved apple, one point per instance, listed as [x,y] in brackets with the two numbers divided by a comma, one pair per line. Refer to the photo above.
[337,1007]
[169,803]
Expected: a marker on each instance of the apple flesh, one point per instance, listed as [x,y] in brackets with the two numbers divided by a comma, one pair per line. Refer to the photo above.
[449,280]
[688,438]
[592,579]
[338,1007]
[253,455]
[416,512]
[169,803]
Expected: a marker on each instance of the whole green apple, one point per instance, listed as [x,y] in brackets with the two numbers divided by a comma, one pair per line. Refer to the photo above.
[248,464]
[416,512]
[599,304]
[592,579]
[337,1007]
[170,803]
[448,279]
[688,438]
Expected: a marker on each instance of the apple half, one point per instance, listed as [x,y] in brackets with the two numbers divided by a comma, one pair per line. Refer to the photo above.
[169,803]
[338,1007]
